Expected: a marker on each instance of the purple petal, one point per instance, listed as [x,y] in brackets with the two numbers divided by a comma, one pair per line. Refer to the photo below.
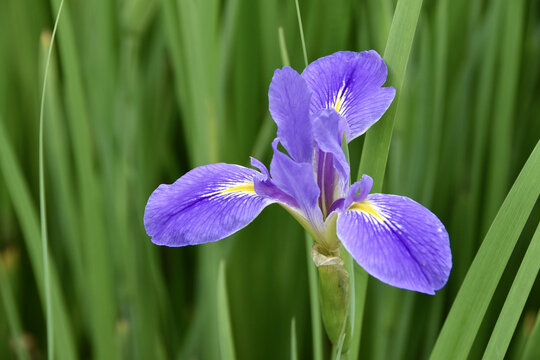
[264,186]
[297,180]
[398,241]
[328,129]
[350,83]
[259,165]
[207,204]
[365,184]
[289,98]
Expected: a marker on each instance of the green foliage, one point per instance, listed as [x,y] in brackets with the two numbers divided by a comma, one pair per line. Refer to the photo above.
[140,91]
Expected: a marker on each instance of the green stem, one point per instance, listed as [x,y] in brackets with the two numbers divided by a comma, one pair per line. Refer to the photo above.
[42,204]
[316,328]
[301,33]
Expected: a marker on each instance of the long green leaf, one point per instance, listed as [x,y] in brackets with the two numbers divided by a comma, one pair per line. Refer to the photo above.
[42,203]
[377,142]
[465,317]
[28,218]
[396,56]
[226,341]
[515,301]
[315,307]
[503,115]
[294,346]
[101,311]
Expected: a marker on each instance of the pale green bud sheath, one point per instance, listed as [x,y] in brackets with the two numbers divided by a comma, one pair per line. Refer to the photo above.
[334,295]
[334,284]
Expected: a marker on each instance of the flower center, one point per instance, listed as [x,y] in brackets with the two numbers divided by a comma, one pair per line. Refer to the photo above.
[326,179]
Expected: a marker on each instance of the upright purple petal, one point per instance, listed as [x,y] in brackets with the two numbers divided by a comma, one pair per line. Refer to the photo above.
[350,83]
[289,100]
[328,129]
[364,185]
[297,180]
[207,204]
[398,241]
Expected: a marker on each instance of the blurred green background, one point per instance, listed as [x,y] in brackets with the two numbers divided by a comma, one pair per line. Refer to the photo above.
[141,91]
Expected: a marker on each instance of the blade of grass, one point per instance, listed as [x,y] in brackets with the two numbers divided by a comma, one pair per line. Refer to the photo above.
[315,307]
[226,340]
[28,218]
[268,128]
[143,340]
[515,301]
[42,204]
[380,18]
[470,305]
[483,107]
[283,48]
[304,51]
[396,55]
[439,97]
[101,314]
[501,136]
[60,171]
[294,346]
[377,141]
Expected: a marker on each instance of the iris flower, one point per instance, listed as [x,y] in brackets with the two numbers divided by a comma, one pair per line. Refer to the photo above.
[337,97]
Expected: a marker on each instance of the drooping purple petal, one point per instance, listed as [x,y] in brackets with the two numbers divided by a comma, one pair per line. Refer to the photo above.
[398,241]
[207,204]
[350,83]
[289,100]
[297,180]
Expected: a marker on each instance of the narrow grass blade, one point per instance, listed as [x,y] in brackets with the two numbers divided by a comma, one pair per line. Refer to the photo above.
[42,204]
[515,301]
[483,106]
[226,341]
[28,218]
[304,50]
[377,141]
[294,346]
[360,291]
[268,128]
[396,56]
[101,312]
[438,105]
[503,114]
[315,307]
[283,48]
[465,317]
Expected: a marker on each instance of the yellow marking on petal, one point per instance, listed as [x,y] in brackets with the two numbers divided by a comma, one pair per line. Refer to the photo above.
[339,102]
[367,208]
[243,187]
